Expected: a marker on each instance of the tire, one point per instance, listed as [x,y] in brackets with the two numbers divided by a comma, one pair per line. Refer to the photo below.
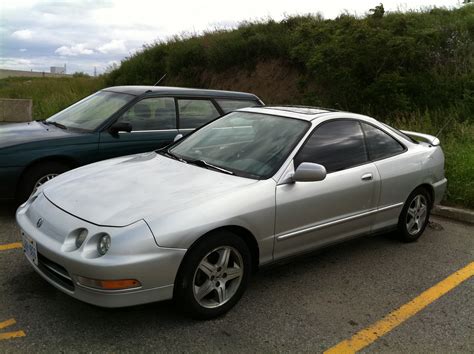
[204,288]
[415,215]
[41,172]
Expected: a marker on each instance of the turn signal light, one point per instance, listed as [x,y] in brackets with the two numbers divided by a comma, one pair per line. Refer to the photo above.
[119,284]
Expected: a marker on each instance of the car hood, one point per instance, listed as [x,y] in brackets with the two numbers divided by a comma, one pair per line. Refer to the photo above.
[19,133]
[121,191]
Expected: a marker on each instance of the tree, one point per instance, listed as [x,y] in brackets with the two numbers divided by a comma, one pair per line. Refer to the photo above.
[378,11]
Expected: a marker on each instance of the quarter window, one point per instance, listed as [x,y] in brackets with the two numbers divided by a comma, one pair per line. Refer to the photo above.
[379,144]
[195,113]
[336,145]
[156,113]
[231,105]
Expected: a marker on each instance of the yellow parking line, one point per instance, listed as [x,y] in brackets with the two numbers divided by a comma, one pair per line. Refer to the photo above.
[370,334]
[7,323]
[9,335]
[10,246]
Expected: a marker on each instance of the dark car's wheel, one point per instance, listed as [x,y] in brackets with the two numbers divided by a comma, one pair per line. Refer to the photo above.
[415,215]
[36,176]
[213,276]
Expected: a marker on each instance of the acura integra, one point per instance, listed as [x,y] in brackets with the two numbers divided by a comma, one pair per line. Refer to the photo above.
[192,221]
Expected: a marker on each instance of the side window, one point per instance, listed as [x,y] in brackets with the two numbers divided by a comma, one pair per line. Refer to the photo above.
[195,113]
[336,145]
[379,143]
[156,113]
[231,105]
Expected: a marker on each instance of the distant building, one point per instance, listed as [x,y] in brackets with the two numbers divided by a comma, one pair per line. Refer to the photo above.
[58,69]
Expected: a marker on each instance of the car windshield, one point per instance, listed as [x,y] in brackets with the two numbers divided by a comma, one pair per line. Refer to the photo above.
[246,144]
[89,113]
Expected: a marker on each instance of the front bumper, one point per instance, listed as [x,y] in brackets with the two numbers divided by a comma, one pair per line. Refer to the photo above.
[153,266]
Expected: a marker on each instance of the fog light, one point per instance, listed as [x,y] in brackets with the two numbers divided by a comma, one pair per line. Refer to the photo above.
[81,237]
[104,244]
[120,284]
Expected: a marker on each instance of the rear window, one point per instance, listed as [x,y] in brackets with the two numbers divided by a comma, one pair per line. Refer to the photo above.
[194,113]
[379,143]
[399,133]
[231,105]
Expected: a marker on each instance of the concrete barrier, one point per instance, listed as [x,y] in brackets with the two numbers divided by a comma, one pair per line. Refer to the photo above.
[15,110]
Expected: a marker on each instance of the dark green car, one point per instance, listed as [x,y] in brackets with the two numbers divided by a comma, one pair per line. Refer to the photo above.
[112,122]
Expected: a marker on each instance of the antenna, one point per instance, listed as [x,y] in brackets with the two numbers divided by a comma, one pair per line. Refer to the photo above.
[444,126]
[162,78]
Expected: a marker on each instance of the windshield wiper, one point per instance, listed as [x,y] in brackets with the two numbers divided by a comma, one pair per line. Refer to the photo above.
[171,155]
[206,164]
[56,124]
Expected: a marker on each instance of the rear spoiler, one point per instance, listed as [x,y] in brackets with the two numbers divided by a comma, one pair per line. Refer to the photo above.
[430,139]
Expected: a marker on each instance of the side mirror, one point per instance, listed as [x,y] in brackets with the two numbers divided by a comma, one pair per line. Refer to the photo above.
[120,127]
[178,137]
[309,172]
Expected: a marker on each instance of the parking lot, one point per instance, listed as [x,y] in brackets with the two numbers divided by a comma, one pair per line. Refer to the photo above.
[312,304]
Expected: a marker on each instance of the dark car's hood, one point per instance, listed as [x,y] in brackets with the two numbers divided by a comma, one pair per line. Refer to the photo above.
[20,133]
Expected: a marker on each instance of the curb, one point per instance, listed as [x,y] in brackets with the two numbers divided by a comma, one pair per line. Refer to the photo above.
[457,214]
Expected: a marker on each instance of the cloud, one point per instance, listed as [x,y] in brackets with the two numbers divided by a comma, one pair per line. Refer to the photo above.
[23,50]
[115,46]
[23,34]
[74,50]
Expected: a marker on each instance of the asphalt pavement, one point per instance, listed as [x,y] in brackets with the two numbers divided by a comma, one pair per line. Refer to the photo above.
[307,305]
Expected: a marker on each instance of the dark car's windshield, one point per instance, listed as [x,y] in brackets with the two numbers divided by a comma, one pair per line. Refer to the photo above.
[90,112]
[246,144]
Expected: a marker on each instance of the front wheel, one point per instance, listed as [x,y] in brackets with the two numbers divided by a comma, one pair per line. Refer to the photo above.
[415,215]
[36,176]
[213,275]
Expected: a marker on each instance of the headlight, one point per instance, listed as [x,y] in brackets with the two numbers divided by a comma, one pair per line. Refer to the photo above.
[81,237]
[104,244]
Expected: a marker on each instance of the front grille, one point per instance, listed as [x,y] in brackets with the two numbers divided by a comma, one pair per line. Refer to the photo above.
[55,272]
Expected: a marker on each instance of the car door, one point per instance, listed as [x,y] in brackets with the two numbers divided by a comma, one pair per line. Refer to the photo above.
[195,112]
[397,172]
[153,122]
[312,214]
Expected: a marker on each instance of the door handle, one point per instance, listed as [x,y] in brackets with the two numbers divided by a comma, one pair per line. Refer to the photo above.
[367,177]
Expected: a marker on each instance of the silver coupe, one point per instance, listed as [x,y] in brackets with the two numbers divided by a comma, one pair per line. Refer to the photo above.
[193,221]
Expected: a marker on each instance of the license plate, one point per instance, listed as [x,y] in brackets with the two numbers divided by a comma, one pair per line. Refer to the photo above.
[29,247]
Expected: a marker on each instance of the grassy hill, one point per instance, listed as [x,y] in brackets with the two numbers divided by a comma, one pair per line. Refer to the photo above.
[49,95]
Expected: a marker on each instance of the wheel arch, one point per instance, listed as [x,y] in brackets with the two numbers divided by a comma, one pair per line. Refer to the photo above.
[429,188]
[239,231]
[67,160]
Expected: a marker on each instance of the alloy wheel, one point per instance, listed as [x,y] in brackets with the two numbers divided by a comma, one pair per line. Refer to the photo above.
[218,276]
[416,214]
[43,180]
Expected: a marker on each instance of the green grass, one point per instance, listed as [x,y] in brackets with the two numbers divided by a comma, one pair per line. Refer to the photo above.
[457,141]
[49,95]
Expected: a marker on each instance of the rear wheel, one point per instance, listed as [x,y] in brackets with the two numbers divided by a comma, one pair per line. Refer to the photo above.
[213,275]
[37,175]
[415,215]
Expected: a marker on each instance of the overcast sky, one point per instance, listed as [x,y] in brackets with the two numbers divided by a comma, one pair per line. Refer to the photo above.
[96,33]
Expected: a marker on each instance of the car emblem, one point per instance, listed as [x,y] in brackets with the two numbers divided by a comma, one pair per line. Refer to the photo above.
[39,222]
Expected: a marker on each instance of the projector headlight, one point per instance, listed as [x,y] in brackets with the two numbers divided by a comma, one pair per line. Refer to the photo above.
[104,244]
[81,237]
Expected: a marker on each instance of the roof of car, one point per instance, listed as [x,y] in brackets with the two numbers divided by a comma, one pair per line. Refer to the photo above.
[139,90]
[301,112]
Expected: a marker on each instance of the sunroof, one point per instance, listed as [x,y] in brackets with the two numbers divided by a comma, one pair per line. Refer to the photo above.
[300,109]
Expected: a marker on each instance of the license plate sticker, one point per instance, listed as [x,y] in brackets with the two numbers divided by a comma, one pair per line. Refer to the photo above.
[29,247]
